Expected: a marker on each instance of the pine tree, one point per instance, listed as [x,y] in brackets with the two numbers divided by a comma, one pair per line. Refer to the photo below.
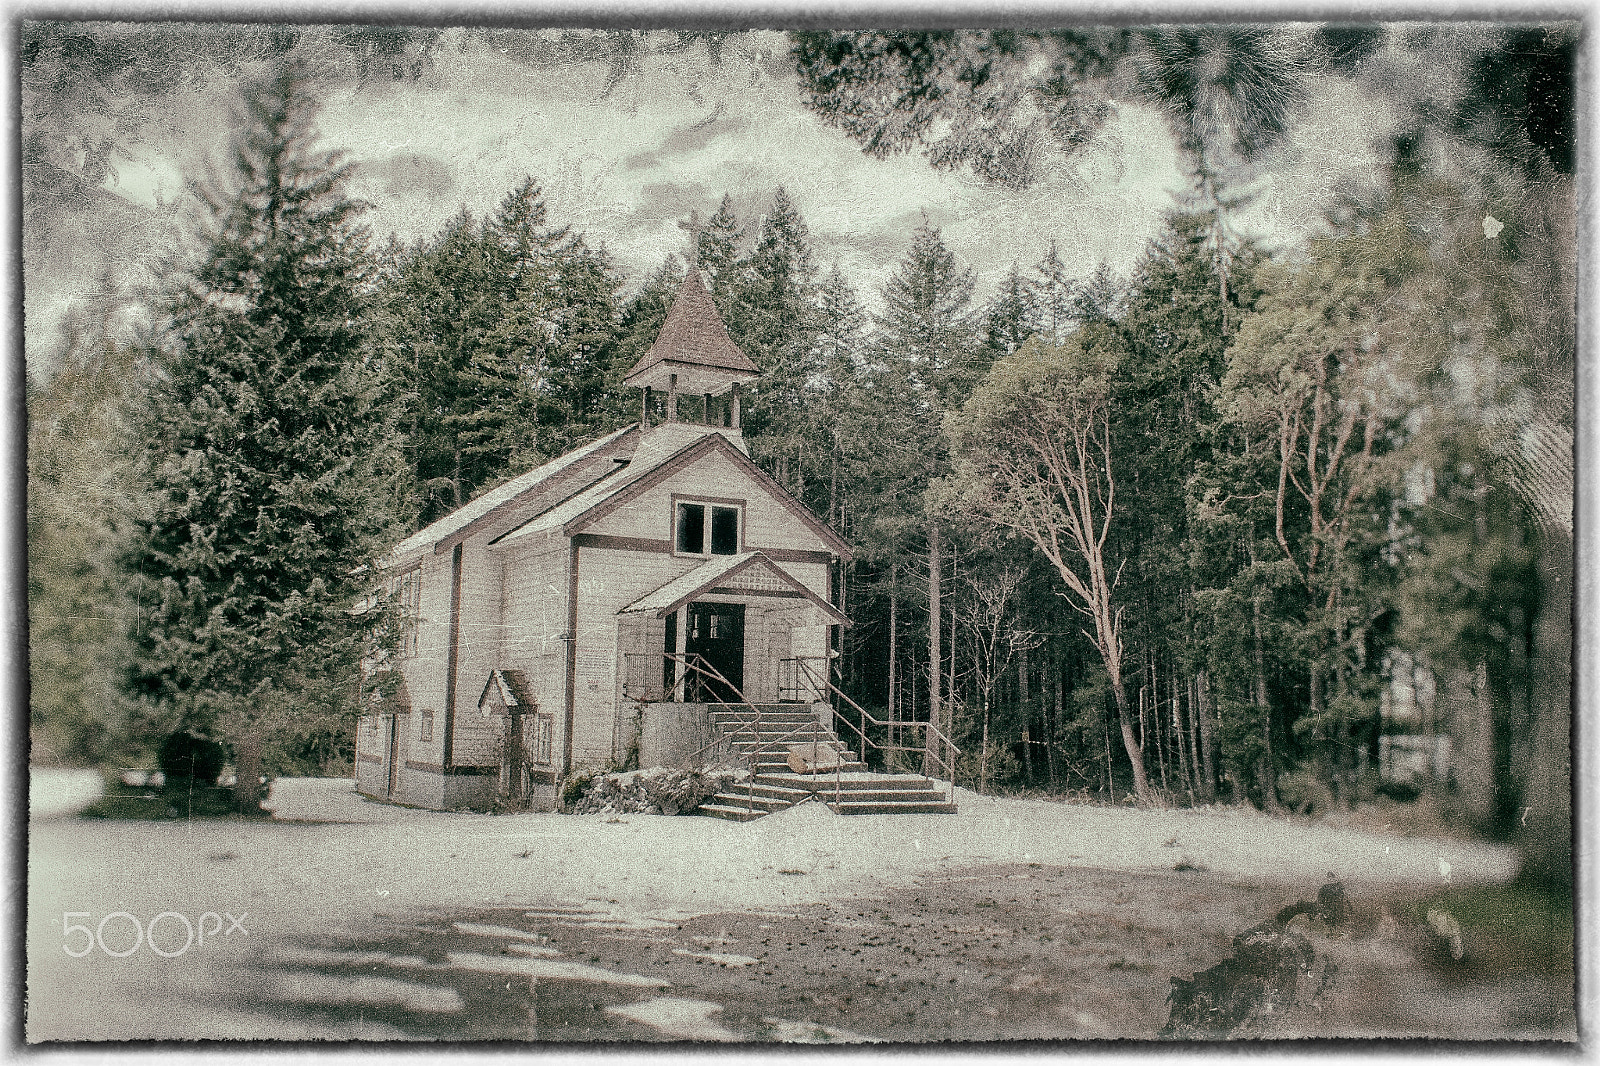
[80,504]
[931,355]
[928,321]
[265,451]
[717,244]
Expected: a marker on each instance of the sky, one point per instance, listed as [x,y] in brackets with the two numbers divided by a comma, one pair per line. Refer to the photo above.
[626,161]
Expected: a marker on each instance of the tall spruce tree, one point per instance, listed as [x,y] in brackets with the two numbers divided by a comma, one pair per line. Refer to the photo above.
[928,338]
[265,450]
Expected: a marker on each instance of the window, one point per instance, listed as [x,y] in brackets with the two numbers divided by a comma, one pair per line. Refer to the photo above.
[543,728]
[696,536]
[427,726]
[407,593]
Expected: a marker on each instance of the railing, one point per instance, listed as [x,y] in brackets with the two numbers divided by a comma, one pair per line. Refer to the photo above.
[793,685]
[933,738]
[697,676]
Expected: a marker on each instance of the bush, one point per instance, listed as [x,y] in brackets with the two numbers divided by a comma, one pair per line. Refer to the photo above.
[185,756]
[659,790]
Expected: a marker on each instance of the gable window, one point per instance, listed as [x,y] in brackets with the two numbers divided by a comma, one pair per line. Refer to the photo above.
[706,529]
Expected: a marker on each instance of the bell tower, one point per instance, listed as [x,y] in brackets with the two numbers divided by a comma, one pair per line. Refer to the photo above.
[693,357]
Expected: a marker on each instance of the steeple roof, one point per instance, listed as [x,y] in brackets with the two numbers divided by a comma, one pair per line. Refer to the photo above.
[694,344]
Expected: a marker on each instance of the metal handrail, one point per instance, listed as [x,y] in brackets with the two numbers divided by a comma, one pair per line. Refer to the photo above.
[699,665]
[933,731]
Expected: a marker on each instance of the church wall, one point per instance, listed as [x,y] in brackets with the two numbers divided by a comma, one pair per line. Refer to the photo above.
[533,624]
[609,580]
[767,523]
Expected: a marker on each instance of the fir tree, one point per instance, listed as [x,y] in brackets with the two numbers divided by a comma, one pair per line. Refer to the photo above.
[1053,295]
[265,452]
[1012,316]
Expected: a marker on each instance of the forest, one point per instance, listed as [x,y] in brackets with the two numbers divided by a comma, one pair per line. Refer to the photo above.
[1290,529]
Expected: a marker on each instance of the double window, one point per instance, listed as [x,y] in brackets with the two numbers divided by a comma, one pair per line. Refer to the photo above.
[706,529]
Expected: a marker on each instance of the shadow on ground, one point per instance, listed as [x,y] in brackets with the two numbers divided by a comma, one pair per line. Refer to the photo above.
[1010,952]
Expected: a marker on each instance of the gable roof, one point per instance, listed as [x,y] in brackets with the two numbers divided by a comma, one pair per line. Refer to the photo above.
[511,688]
[498,497]
[649,469]
[694,335]
[716,575]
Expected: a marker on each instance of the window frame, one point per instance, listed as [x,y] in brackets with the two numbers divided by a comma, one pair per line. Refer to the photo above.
[406,589]
[708,503]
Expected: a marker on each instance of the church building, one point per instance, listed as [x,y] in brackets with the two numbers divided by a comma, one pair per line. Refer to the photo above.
[603,605]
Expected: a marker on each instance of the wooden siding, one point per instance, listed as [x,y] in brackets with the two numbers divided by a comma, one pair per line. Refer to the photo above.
[767,522]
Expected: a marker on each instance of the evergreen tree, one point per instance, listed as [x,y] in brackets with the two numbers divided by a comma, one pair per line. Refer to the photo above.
[772,316]
[500,331]
[265,453]
[81,502]
[931,354]
[717,243]
[1013,314]
[1054,293]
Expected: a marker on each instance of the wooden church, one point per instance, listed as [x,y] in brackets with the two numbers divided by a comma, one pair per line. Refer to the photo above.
[650,599]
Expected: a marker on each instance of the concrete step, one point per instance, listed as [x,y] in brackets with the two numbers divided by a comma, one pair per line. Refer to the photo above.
[762,790]
[775,768]
[788,721]
[775,749]
[729,812]
[880,796]
[849,781]
[930,807]
[760,804]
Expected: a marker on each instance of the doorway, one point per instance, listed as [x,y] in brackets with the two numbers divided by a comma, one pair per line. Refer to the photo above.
[397,732]
[716,634]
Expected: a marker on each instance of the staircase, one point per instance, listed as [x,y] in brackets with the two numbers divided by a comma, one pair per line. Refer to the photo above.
[775,786]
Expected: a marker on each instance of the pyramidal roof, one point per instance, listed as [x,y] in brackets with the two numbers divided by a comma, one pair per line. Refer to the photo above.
[694,336]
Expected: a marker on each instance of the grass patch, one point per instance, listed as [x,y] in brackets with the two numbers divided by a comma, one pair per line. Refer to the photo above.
[1509,928]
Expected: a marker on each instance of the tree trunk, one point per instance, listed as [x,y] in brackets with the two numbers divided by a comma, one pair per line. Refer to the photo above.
[1202,713]
[1053,732]
[1027,716]
[1269,769]
[1141,786]
[247,772]
[1545,823]
[930,765]
[894,676]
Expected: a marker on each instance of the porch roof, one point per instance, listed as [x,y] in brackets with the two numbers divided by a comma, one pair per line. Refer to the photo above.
[746,574]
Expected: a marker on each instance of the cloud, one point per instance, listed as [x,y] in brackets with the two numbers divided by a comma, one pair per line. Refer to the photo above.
[411,174]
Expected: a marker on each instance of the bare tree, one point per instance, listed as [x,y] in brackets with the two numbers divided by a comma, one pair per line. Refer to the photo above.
[987,610]
[1033,453]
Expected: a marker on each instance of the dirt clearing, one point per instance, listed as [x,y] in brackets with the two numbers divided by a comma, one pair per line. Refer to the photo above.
[1009,920]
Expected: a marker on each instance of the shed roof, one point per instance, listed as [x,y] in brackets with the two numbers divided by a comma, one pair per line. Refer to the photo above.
[507,688]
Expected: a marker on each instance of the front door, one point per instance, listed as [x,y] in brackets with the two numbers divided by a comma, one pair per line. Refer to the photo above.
[716,634]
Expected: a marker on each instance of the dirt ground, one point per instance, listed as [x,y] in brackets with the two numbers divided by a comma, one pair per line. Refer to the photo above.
[1012,920]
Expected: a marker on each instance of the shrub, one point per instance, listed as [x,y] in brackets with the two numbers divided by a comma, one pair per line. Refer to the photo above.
[185,756]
